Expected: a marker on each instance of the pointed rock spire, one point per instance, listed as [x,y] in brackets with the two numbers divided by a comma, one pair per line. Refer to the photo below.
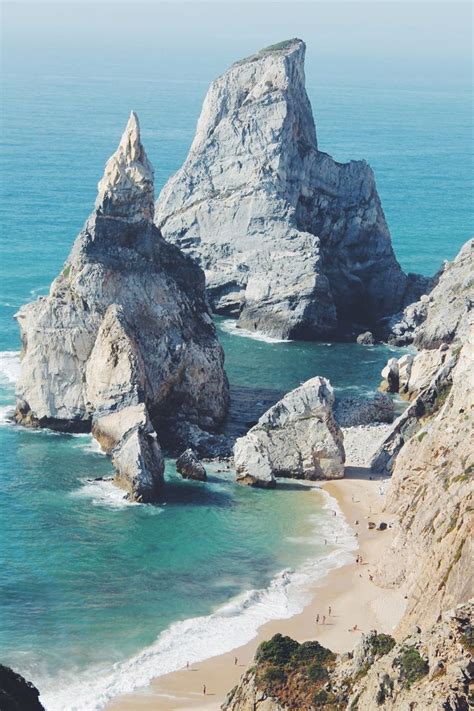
[126,190]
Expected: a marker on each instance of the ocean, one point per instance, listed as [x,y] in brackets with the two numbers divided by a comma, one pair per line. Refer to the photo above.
[97,595]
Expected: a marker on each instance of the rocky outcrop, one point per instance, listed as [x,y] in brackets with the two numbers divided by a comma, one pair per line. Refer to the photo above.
[124,344]
[292,243]
[366,338]
[17,694]
[432,390]
[298,437]
[431,668]
[189,466]
[431,494]
[446,313]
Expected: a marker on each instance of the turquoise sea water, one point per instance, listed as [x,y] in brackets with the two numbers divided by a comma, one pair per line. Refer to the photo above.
[88,582]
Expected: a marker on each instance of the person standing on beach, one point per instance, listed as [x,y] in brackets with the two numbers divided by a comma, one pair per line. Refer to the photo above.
[235,661]
[317,619]
[324,619]
[329,610]
[204,689]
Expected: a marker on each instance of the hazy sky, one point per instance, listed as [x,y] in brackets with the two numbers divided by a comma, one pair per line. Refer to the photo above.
[407,41]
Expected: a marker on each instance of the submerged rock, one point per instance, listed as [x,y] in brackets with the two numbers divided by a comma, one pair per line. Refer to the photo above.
[298,437]
[189,466]
[292,242]
[124,344]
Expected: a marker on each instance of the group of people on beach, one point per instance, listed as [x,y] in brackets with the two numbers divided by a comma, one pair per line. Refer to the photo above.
[322,619]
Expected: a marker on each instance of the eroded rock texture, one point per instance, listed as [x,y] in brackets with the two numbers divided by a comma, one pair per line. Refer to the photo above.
[298,437]
[446,313]
[431,493]
[124,343]
[293,243]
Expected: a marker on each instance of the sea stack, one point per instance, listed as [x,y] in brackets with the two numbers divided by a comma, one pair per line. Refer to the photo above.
[292,242]
[124,344]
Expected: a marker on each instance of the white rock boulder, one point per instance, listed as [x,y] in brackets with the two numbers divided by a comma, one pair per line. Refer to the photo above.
[298,437]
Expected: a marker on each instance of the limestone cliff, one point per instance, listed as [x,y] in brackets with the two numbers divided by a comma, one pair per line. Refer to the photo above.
[445,314]
[124,343]
[293,243]
[432,494]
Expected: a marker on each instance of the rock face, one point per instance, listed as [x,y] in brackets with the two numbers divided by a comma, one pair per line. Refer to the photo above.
[189,466]
[298,437]
[292,242]
[446,314]
[124,343]
[432,495]
[432,391]
[431,668]
[17,694]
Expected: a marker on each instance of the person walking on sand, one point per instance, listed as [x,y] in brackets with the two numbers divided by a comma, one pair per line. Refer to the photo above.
[317,619]
[187,665]
[324,619]
[329,610]
[235,661]
[204,689]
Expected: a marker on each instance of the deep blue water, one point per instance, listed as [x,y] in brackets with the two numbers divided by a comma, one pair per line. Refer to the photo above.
[87,581]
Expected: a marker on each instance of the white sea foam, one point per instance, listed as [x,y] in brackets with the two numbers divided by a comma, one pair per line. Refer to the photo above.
[199,638]
[89,444]
[9,366]
[6,414]
[103,492]
[230,326]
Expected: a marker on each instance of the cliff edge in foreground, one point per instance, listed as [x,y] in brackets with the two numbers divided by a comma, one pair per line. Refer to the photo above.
[293,243]
[124,344]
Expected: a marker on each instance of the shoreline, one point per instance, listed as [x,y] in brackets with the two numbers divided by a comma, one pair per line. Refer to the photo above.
[354,599]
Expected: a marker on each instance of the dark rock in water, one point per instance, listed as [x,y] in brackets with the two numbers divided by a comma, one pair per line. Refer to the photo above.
[17,694]
[189,466]
[292,242]
[355,411]
[366,338]
[124,341]
[207,445]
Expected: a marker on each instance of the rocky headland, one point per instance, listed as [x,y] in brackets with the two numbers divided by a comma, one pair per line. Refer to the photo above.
[428,453]
[124,344]
[292,242]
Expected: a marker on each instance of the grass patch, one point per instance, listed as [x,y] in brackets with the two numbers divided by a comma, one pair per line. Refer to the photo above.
[411,666]
[382,644]
[279,46]
[442,396]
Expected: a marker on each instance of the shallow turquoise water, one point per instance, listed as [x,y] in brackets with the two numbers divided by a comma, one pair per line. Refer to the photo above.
[87,581]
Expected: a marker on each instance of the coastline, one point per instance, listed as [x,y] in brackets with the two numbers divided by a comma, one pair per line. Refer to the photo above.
[354,600]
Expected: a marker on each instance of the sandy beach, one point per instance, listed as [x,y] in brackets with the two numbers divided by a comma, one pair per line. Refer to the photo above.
[353,597]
